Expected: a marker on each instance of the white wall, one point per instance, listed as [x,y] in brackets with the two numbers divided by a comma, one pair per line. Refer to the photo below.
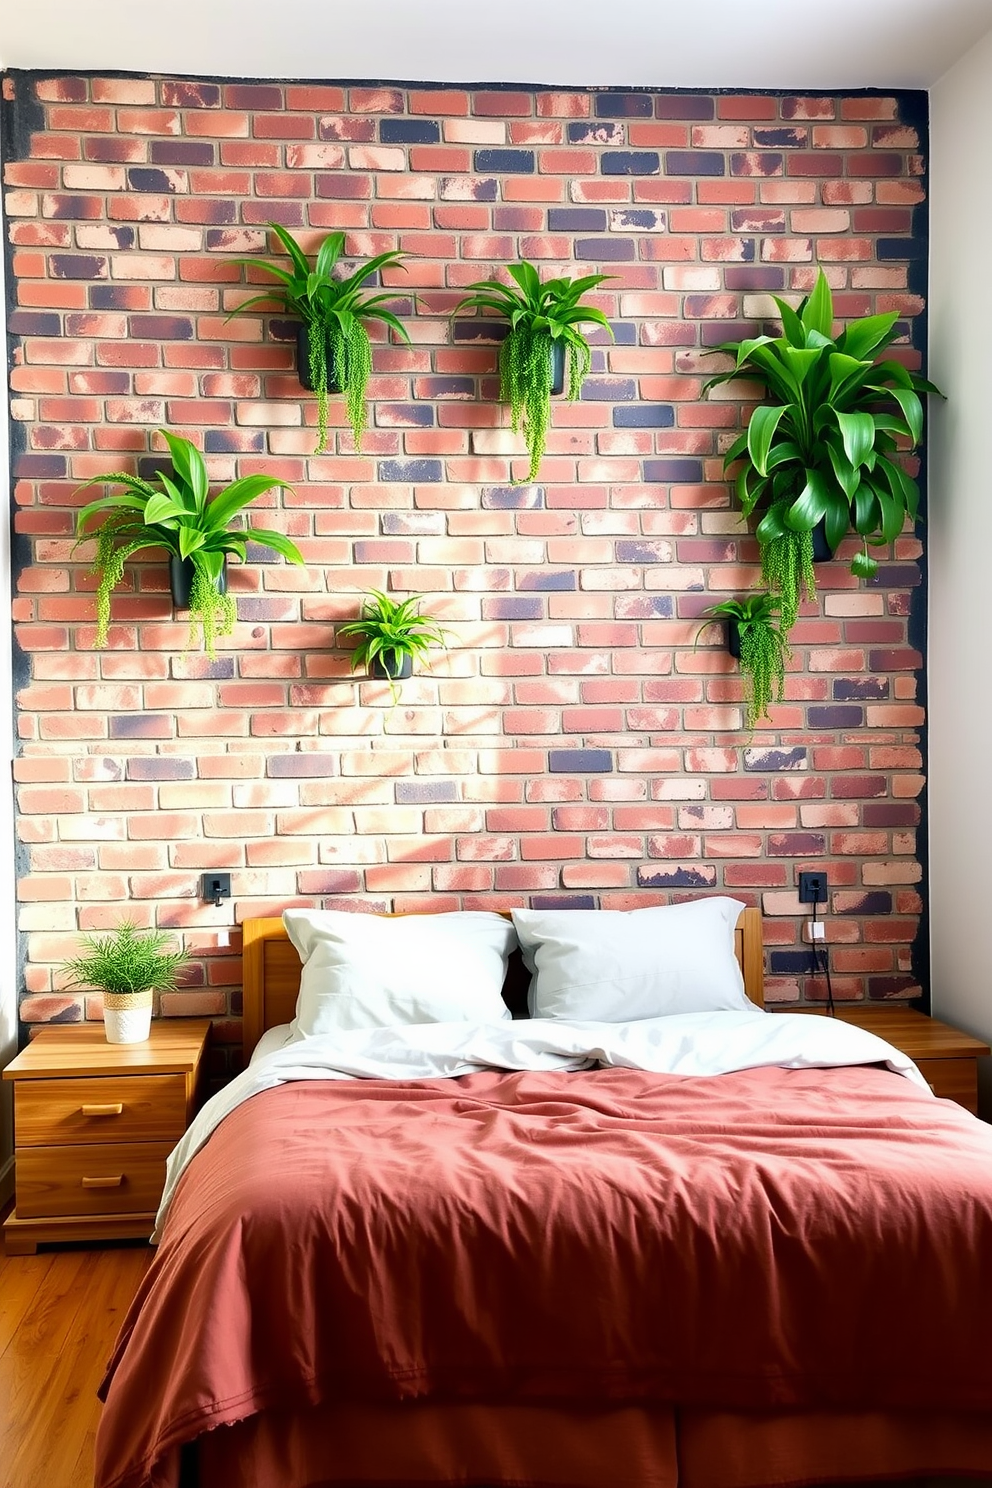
[8,937]
[960,548]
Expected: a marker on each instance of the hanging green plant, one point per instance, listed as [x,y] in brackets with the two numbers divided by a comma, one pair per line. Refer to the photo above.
[762,647]
[825,447]
[174,512]
[542,317]
[334,311]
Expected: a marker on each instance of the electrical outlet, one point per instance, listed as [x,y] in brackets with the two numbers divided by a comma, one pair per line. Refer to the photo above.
[215,887]
[812,888]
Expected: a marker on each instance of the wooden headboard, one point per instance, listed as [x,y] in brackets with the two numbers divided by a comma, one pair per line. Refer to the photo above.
[272,972]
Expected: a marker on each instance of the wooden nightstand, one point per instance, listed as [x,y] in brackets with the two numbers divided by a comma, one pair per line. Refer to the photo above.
[946,1058]
[93,1125]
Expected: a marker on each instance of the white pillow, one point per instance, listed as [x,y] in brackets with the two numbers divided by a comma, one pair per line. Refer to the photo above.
[367,971]
[614,966]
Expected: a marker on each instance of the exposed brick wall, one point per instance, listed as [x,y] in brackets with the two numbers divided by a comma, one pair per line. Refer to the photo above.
[573,746]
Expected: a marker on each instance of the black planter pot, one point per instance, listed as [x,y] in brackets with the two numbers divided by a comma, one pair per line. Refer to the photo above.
[181,581]
[303,361]
[822,551]
[557,367]
[734,638]
[395,670]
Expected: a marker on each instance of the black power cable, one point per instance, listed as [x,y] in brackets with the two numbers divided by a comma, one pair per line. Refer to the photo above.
[825,966]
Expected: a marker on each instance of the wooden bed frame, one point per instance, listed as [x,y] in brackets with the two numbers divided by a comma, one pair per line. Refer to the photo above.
[272,972]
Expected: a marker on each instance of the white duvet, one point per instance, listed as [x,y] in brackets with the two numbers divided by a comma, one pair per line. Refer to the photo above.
[684,1044]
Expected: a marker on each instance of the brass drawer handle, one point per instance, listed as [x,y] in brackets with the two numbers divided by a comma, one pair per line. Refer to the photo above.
[109,1182]
[117,1109]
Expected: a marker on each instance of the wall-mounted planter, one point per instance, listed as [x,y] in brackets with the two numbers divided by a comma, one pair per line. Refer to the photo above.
[734,638]
[181,573]
[822,551]
[303,361]
[557,367]
[397,669]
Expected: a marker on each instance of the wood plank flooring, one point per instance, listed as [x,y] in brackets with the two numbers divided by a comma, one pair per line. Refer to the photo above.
[60,1312]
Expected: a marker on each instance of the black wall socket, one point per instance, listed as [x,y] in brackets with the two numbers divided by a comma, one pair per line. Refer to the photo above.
[215,887]
[812,888]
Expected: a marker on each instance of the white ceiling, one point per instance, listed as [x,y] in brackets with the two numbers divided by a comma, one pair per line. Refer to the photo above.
[778,44]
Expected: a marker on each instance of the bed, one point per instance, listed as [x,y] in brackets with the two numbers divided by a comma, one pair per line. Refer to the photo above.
[356,1284]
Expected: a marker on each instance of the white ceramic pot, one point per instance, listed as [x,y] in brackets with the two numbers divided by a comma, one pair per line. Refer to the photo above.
[127,1020]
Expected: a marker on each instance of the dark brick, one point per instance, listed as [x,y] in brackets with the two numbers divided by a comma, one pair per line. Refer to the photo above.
[34,323]
[39,467]
[219,213]
[896,576]
[425,792]
[190,95]
[623,106]
[645,607]
[891,815]
[715,332]
[895,248]
[563,901]
[644,217]
[140,726]
[881,988]
[753,219]
[848,787]
[586,133]
[108,149]
[547,581]
[162,327]
[785,963]
[624,333]
[694,163]
[580,761]
[253,96]
[576,219]
[775,759]
[606,250]
[489,329]
[181,152]
[796,844]
[609,390]
[676,878]
[411,470]
[512,607]
[234,442]
[112,296]
[160,767]
[506,162]
[409,131]
[674,468]
[308,764]
[684,106]
[874,902]
[832,716]
[141,179]
[771,139]
[644,416]
[410,415]
[643,551]
[895,659]
[630,163]
[767,163]
[512,498]
[75,208]
[866,689]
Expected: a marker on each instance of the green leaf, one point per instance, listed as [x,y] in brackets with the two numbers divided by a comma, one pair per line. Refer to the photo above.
[105,504]
[189,541]
[863,566]
[300,261]
[845,373]
[189,466]
[328,254]
[791,324]
[863,337]
[760,433]
[836,522]
[277,541]
[810,505]
[912,409]
[800,363]
[857,430]
[844,472]
[161,508]
[817,313]
[237,495]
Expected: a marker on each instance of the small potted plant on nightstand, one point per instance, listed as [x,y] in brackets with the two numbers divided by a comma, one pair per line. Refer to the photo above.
[544,319]
[127,966]
[391,635]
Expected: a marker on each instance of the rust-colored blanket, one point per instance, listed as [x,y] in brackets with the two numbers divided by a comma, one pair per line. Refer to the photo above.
[772,1238]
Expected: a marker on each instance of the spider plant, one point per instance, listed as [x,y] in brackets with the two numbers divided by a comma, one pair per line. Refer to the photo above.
[392,634]
[333,311]
[825,446]
[174,512]
[543,316]
[761,647]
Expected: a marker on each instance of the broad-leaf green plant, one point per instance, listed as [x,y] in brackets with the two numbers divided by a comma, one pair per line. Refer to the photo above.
[540,314]
[127,962]
[388,630]
[764,649]
[175,512]
[826,445]
[334,309]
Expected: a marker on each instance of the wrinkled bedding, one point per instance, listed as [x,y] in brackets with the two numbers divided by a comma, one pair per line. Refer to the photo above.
[771,1238]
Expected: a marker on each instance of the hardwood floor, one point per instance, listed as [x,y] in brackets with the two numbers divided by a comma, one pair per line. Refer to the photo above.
[60,1312]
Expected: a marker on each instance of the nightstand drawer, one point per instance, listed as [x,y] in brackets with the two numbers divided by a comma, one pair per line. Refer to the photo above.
[118,1108]
[952,1079]
[125,1179]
